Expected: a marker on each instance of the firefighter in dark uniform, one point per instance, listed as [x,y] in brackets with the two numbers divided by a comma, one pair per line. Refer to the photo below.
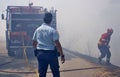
[45,41]
[103,46]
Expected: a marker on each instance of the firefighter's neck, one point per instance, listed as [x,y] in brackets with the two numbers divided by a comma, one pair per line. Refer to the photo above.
[48,24]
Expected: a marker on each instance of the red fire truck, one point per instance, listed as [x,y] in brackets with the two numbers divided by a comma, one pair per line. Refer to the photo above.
[21,22]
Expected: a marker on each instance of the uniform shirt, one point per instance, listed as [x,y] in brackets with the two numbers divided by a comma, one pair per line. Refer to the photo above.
[45,36]
[106,37]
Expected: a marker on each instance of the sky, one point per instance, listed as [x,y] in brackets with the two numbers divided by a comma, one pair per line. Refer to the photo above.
[80,23]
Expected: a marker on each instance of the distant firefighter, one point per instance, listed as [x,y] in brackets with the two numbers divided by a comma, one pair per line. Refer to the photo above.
[103,46]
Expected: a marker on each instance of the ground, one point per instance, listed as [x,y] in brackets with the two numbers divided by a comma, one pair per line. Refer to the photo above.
[76,65]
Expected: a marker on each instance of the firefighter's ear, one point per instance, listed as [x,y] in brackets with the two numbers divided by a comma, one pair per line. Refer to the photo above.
[2,16]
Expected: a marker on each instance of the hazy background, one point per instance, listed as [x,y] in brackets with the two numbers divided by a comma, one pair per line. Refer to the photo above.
[80,23]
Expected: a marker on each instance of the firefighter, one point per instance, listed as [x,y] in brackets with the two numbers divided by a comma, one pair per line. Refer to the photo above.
[45,39]
[103,46]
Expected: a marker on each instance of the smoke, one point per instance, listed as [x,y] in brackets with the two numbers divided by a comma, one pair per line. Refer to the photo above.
[81,22]
[80,26]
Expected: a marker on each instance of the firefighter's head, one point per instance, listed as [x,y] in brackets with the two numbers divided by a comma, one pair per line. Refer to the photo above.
[110,31]
[48,18]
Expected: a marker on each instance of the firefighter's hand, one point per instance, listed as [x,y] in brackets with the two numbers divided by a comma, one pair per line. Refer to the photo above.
[62,59]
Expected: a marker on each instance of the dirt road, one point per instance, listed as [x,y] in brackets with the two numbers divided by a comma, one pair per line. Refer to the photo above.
[76,65]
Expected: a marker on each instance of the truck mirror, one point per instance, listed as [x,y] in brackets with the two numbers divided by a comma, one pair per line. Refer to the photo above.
[2,16]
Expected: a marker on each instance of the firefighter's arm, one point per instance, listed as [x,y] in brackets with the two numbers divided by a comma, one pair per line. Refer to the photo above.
[34,44]
[58,45]
[35,48]
[104,40]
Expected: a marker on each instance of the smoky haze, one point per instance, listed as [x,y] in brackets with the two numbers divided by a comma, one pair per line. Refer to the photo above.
[81,22]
